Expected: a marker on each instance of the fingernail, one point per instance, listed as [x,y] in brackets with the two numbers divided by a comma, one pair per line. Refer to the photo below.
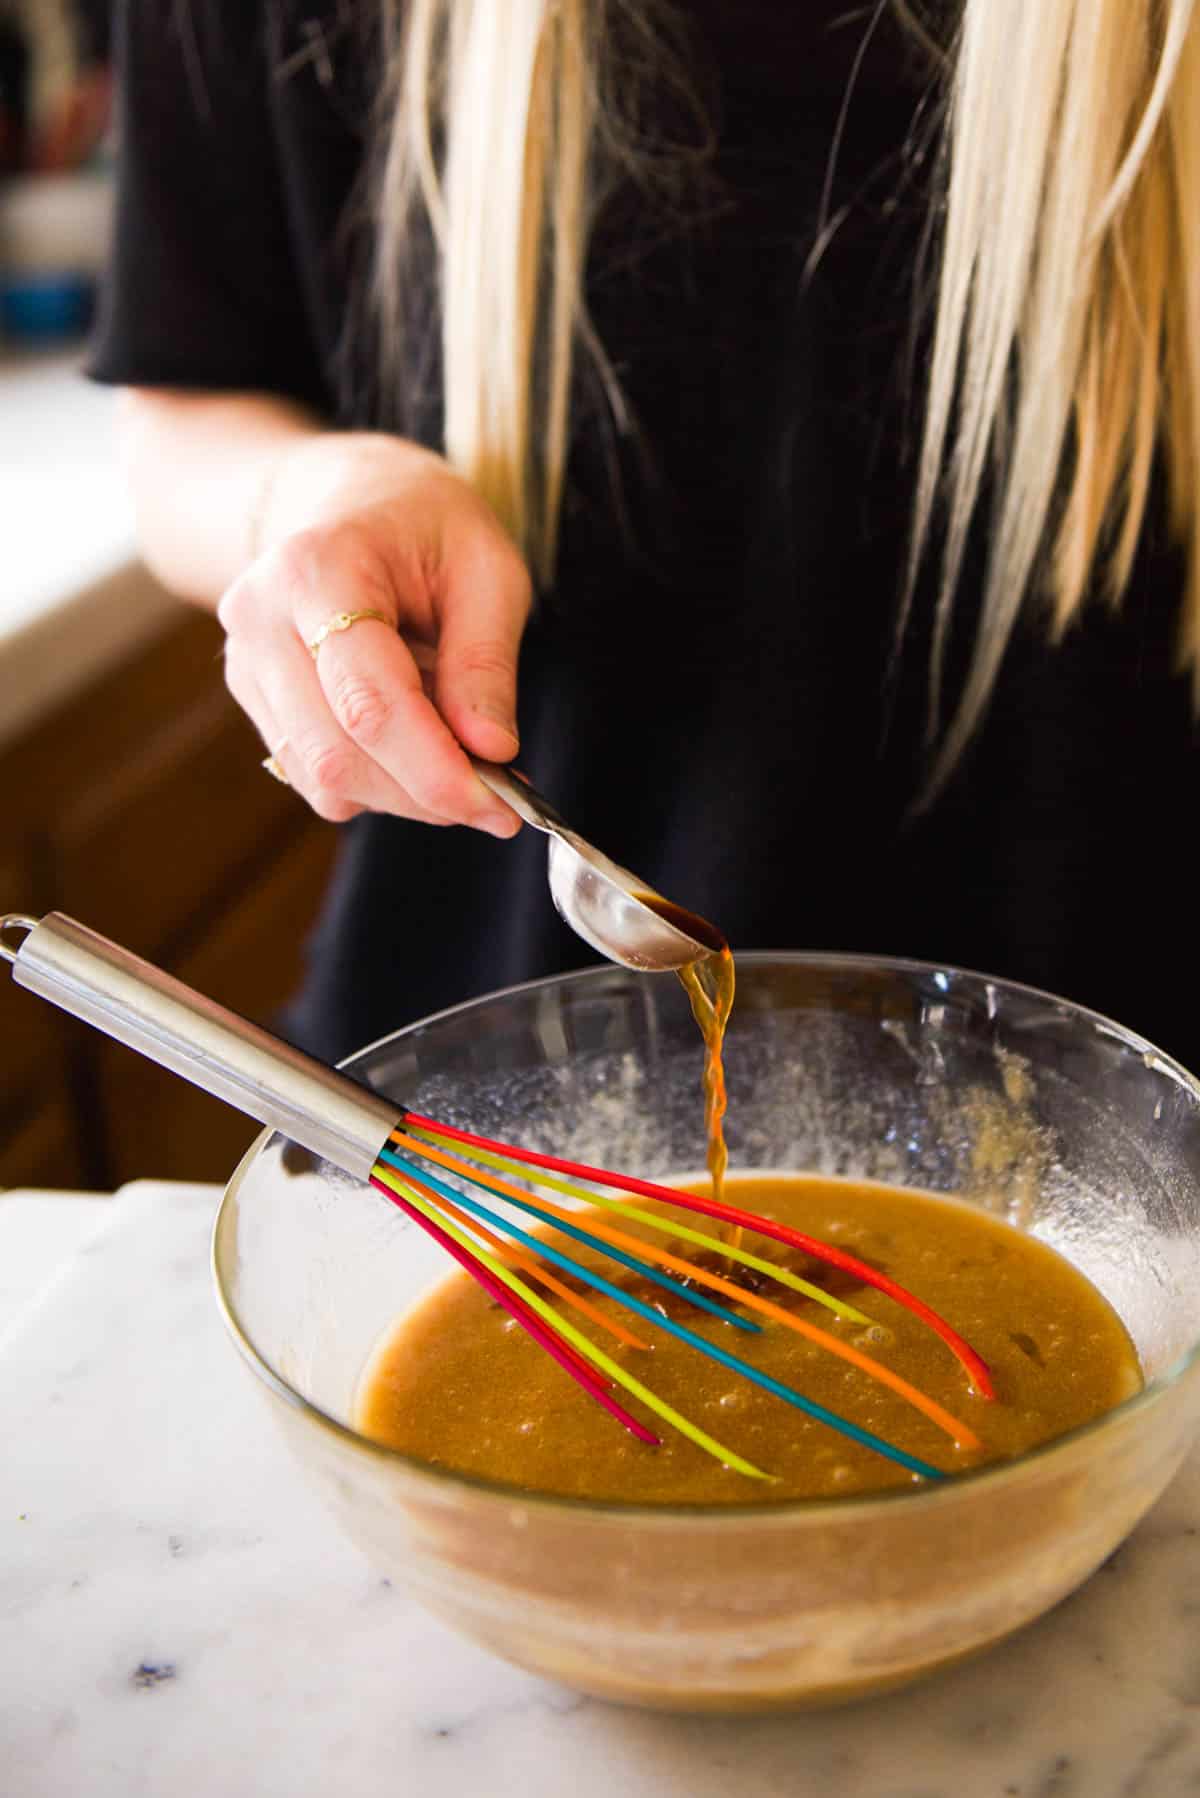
[504,720]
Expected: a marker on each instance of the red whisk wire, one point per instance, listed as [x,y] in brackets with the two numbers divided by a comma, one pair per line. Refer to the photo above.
[566,1357]
[974,1365]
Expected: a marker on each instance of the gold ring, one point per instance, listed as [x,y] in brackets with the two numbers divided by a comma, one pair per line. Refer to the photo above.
[341,621]
[275,771]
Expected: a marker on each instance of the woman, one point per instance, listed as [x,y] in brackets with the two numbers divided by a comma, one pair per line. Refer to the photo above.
[823,448]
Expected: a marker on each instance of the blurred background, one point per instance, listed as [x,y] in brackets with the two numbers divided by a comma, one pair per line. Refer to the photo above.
[132,796]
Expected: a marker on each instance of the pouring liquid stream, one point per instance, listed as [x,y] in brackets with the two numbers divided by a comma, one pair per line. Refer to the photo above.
[709,985]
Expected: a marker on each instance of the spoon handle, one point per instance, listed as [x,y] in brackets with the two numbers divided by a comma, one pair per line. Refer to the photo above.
[516,791]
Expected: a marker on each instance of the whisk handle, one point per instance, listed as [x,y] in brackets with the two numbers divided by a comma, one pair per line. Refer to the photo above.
[213,1048]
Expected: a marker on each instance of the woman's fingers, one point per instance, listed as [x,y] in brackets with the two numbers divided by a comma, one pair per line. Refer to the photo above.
[482,613]
[239,678]
[358,725]
[375,693]
[336,777]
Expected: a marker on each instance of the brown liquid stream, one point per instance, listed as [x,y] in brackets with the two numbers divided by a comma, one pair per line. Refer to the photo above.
[709,985]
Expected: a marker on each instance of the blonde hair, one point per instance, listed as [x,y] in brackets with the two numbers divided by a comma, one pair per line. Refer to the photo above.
[1066,338]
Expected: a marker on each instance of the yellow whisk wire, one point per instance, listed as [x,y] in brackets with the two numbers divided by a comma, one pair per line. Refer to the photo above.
[578,1341]
[626,1208]
[513,1254]
[945,1420]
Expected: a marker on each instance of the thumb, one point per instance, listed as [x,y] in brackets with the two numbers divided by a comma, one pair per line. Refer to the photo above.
[485,604]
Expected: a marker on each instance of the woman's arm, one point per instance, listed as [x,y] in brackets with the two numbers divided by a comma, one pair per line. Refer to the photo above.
[246,503]
[201,466]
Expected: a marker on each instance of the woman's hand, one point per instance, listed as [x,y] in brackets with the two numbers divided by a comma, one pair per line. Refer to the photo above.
[377,720]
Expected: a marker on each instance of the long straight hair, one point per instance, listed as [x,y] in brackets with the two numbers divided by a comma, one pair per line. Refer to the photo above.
[1066,336]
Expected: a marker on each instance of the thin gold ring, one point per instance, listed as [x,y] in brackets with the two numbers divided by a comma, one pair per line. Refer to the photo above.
[341,621]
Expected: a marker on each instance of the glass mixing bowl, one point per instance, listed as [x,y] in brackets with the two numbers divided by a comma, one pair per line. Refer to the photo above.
[1065,1124]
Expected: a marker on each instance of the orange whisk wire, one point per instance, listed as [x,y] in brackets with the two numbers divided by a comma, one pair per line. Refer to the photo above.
[972,1363]
[921,1401]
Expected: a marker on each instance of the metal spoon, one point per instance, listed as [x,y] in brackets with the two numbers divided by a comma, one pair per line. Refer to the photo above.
[605,904]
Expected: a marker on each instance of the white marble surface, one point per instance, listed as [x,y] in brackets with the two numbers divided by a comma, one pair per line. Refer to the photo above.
[177,1616]
[39,1232]
[73,597]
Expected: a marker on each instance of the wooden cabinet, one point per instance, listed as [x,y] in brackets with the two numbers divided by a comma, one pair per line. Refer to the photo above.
[157,1123]
[141,810]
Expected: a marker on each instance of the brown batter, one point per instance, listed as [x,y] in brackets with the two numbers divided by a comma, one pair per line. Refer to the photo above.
[458,1384]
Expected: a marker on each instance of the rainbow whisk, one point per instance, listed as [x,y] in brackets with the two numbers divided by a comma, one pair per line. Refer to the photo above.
[481,1239]
[489,1204]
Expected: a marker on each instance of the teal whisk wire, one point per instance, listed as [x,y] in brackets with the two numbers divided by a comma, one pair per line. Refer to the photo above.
[611,1253]
[810,1407]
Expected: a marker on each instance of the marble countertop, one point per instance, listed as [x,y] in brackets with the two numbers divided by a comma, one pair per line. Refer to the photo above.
[178,1615]
[73,597]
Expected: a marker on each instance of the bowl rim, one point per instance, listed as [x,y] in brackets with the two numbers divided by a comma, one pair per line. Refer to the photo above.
[448,1481]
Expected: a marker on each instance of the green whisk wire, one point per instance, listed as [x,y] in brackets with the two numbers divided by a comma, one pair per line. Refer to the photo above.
[390,1161]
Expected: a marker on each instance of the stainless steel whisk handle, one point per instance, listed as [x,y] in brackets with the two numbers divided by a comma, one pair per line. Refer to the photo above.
[237,1061]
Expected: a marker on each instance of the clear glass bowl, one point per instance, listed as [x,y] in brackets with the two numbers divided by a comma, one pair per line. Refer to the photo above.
[1069,1126]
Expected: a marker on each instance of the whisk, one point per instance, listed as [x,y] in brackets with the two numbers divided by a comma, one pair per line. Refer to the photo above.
[411,1160]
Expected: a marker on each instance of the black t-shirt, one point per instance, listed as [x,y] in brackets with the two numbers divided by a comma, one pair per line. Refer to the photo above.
[709,691]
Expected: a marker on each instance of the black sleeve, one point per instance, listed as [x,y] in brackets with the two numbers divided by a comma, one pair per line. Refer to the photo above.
[202,289]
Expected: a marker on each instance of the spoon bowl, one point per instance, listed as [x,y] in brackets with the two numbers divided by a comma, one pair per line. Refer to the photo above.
[603,903]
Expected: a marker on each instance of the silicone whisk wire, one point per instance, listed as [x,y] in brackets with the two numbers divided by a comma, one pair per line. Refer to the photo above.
[596,1238]
[521,1304]
[403,1193]
[972,1363]
[953,1426]
[783,1276]
[511,1254]
[390,1160]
